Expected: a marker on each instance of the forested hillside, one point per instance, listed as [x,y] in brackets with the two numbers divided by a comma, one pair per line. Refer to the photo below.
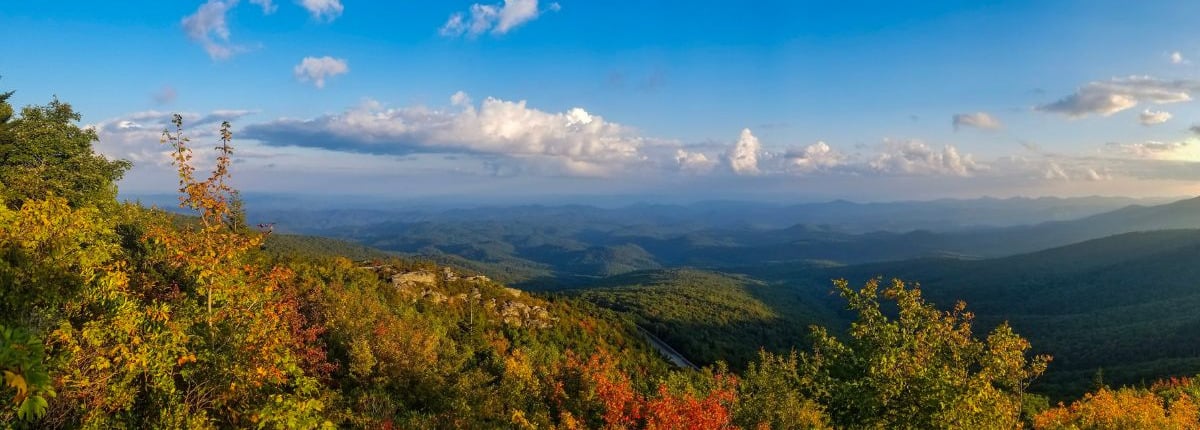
[117,315]
[1121,304]
[711,317]
[569,244]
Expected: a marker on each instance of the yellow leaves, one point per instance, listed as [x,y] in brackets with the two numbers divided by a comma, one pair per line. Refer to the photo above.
[1124,408]
[189,358]
[518,419]
[17,382]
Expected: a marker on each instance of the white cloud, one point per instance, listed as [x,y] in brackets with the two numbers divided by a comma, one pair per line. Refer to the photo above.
[460,99]
[1112,96]
[914,157]
[1177,58]
[980,120]
[1056,172]
[575,142]
[693,162]
[1151,149]
[136,136]
[316,70]
[207,27]
[496,18]
[1149,117]
[813,158]
[515,13]
[743,156]
[268,6]
[323,10]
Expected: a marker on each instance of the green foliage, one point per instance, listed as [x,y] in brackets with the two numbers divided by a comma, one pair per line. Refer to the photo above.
[1123,304]
[27,384]
[921,369]
[116,316]
[44,153]
[772,395]
[708,317]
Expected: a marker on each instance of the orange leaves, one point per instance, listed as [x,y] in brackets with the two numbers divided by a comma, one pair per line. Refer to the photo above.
[686,411]
[624,408]
[189,358]
[1126,408]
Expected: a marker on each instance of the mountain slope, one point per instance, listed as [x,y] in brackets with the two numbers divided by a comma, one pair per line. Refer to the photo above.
[1125,304]
[708,316]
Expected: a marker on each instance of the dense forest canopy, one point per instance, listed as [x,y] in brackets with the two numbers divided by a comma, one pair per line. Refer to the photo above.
[116,315]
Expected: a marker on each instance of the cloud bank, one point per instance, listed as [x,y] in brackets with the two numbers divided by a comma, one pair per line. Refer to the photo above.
[575,140]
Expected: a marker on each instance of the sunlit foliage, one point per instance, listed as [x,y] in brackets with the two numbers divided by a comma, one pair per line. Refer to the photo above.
[921,369]
[43,153]
[117,316]
[1168,404]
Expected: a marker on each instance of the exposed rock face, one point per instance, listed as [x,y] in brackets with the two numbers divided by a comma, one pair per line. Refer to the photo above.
[433,296]
[419,277]
[423,285]
[522,315]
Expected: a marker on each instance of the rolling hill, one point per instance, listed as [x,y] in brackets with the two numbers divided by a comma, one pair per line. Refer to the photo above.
[1125,304]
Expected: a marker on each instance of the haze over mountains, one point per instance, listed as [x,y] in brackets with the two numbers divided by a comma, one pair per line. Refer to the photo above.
[560,242]
[1101,283]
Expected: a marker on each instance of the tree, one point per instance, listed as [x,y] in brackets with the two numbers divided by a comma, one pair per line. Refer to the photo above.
[1168,404]
[921,369]
[44,153]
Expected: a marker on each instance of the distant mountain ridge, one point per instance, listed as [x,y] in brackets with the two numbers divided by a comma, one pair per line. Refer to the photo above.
[1125,304]
[549,243]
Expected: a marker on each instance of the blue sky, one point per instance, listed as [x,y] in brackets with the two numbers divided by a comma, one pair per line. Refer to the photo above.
[688,100]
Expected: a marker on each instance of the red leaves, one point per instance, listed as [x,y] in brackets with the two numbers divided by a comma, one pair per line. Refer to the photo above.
[623,407]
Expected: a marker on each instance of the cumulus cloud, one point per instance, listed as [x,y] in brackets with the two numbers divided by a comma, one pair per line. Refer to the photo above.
[1057,171]
[1150,117]
[813,158]
[316,70]
[136,136]
[575,141]
[1195,129]
[1108,97]
[743,156]
[1177,58]
[914,157]
[496,18]
[980,120]
[323,10]
[693,162]
[460,99]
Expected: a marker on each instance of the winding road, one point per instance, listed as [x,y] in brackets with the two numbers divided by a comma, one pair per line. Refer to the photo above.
[666,350]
